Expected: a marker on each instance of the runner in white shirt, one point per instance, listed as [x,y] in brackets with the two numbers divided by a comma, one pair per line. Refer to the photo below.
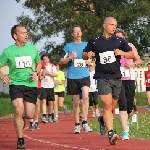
[93,92]
[47,84]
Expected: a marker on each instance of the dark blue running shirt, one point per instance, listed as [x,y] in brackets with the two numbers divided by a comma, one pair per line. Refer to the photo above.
[107,64]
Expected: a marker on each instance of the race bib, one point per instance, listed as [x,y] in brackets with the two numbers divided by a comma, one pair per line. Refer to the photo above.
[148,80]
[92,88]
[125,72]
[47,78]
[107,57]
[79,63]
[23,62]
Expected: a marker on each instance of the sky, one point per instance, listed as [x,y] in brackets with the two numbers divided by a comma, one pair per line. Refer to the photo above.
[9,10]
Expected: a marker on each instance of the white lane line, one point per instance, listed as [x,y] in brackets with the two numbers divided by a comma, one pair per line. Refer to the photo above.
[51,143]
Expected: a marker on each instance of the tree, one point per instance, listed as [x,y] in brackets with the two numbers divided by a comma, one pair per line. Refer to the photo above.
[54,16]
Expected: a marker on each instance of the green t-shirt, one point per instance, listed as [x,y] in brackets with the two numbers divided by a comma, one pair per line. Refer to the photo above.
[21,62]
[60,78]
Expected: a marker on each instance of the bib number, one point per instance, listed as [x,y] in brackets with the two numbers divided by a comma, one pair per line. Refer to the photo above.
[125,72]
[107,57]
[23,62]
[92,88]
[79,63]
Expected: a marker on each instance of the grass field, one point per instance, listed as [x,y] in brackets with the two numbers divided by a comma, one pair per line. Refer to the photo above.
[6,107]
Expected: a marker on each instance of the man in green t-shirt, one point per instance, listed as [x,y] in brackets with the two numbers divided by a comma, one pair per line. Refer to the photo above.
[23,60]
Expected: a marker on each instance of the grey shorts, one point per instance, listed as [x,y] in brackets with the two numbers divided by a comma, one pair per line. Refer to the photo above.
[106,86]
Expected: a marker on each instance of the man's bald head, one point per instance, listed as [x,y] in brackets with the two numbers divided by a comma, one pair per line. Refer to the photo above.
[107,19]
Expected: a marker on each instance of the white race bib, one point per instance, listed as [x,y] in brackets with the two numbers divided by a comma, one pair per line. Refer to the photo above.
[79,63]
[23,62]
[47,79]
[92,88]
[107,57]
[148,80]
[125,72]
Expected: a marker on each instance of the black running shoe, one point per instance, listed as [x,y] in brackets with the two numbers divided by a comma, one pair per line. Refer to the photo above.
[113,137]
[21,144]
[103,130]
[24,123]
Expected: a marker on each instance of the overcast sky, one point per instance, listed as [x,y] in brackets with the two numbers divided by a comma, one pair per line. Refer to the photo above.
[9,10]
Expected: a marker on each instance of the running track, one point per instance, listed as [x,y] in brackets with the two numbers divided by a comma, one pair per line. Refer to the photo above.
[59,136]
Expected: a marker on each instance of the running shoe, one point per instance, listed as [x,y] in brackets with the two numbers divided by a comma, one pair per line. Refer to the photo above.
[65,109]
[36,126]
[86,128]
[31,127]
[103,130]
[93,114]
[55,119]
[149,108]
[113,137]
[21,144]
[44,120]
[97,114]
[77,129]
[50,119]
[125,135]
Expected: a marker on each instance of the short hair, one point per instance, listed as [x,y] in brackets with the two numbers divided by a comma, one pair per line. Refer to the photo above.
[75,27]
[119,30]
[14,29]
[108,18]
[148,64]
[44,55]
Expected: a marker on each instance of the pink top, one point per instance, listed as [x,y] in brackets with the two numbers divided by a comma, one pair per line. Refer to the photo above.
[123,62]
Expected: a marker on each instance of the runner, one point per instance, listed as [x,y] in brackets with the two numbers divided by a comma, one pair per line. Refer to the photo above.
[22,79]
[59,90]
[127,93]
[93,92]
[34,124]
[107,53]
[47,84]
[147,83]
[77,77]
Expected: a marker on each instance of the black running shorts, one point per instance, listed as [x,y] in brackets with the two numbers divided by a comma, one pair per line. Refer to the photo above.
[29,94]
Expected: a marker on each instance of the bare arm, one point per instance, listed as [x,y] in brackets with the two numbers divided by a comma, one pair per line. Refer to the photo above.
[65,60]
[5,79]
[129,54]
[137,59]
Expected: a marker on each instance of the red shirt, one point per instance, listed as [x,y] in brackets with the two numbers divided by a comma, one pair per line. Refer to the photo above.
[147,78]
[39,80]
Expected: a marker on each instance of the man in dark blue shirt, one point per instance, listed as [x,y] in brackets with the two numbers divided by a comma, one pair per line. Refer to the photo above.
[108,49]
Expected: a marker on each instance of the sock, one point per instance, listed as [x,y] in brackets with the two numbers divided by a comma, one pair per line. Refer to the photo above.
[110,131]
[44,115]
[31,120]
[21,139]
[77,124]
[84,122]
[56,116]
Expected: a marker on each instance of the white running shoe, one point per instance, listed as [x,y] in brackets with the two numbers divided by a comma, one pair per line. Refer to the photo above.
[77,129]
[93,114]
[97,114]
[86,128]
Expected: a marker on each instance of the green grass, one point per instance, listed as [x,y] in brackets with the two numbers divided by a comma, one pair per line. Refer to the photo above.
[142,132]
[6,107]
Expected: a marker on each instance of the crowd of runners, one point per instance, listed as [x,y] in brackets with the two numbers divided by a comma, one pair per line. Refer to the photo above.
[101,68]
